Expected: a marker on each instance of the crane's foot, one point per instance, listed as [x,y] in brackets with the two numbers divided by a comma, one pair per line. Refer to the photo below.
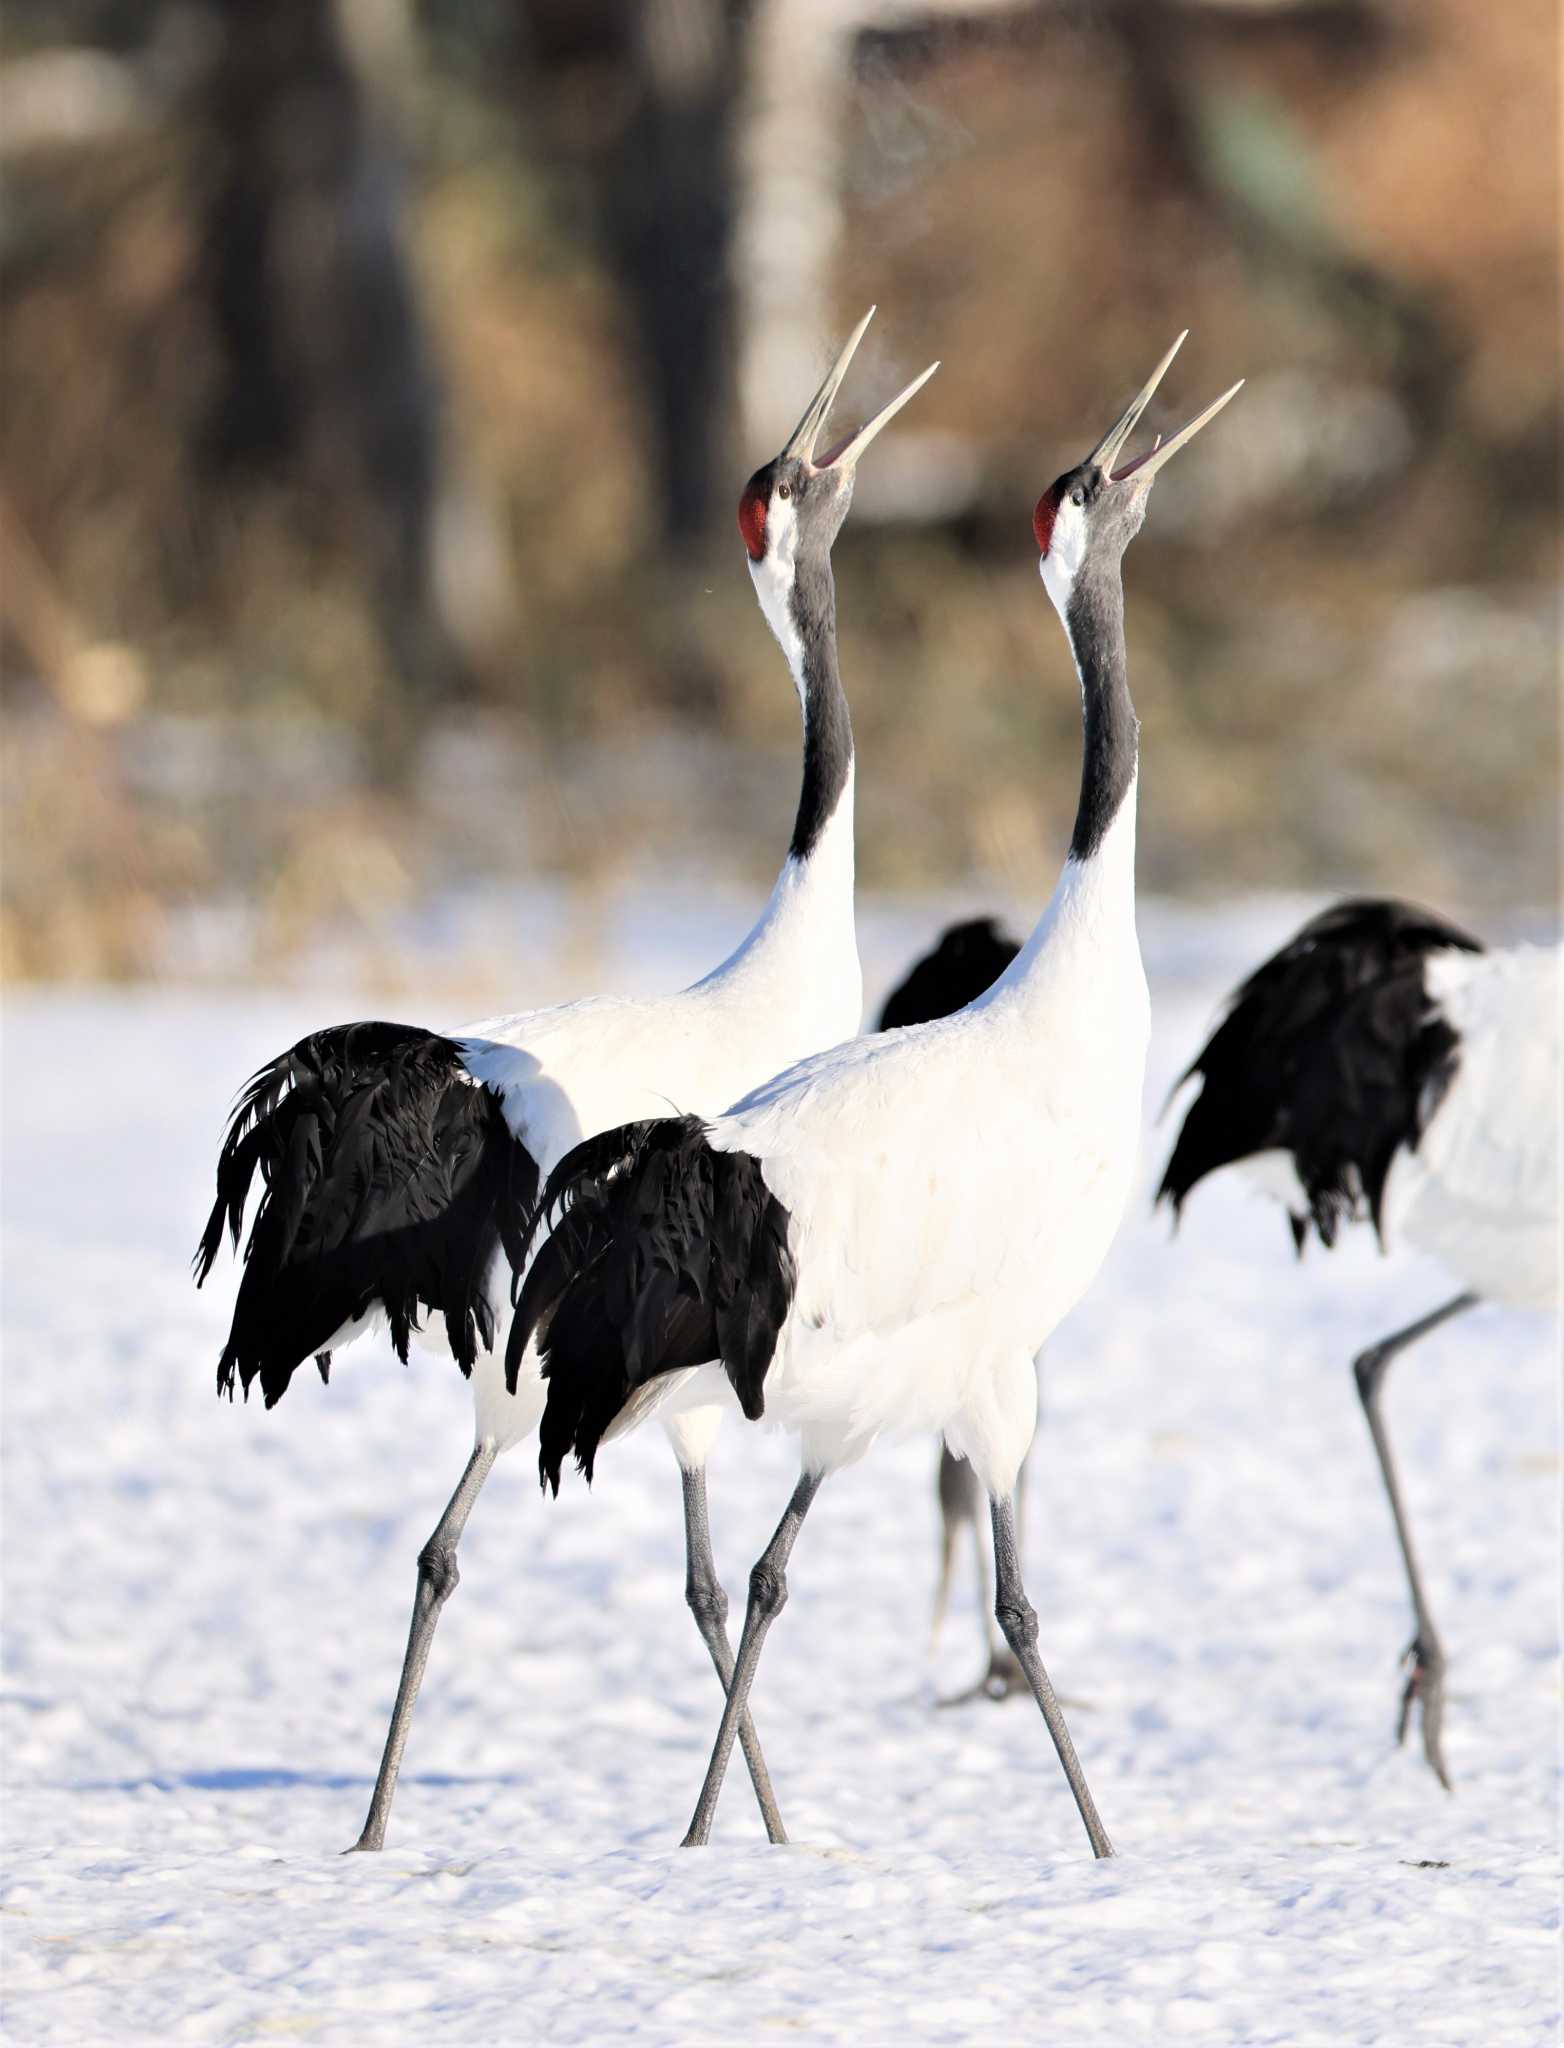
[1425,1689]
[1003,1678]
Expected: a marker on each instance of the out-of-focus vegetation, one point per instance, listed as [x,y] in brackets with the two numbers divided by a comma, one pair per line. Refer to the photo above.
[378,380]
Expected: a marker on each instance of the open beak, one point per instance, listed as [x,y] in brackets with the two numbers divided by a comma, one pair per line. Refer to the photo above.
[802,440]
[1145,467]
[846,453]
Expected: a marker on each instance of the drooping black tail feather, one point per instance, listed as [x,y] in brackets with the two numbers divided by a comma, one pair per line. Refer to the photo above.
[1331,1050]
[666,1253]
[965,964]
[390,1179]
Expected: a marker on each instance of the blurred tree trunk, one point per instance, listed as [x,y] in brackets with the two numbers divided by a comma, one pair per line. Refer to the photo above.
[330,385]
[796,116]
[797,124]
[669,208]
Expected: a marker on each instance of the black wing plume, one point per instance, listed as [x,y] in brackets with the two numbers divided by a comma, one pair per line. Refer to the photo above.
[389,1179]
[667,1253]
[1331,1050]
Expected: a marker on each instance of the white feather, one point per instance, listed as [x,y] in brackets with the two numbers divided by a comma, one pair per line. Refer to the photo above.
[1482,1191]
[773,578]
[565,1074]
[1273,1173]
[1066,552]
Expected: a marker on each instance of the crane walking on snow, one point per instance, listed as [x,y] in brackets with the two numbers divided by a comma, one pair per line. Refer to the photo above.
[1384,1067]
[399,1166]
[882,1237]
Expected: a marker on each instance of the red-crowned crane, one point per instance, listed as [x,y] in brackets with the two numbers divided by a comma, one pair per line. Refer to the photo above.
[882,1237]
[399,1165]
[1383,1067]
[965,961]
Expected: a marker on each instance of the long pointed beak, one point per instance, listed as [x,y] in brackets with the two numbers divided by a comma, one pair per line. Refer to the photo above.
[847,452]
[1107,449]
[1146,466]
[801,441]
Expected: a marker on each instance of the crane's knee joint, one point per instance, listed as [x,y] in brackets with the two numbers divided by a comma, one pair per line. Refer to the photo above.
[1018,1620]
[437,1570]
[767,1590]
[1426,1655]
[707,1602]
[1368,1369]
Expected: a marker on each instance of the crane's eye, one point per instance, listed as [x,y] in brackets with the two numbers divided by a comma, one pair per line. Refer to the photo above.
[784,490]
[1077,496]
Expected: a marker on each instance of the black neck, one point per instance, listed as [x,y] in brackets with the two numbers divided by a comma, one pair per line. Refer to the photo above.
[1095,623]
[828,730]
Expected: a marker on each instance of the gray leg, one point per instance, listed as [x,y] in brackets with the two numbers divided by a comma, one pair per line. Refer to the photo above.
[1426,1685]
[1018,1619]
[709,1604]
[437,1580]
[961,1499]
[960,1496]
[1004,1675]
[767,1597]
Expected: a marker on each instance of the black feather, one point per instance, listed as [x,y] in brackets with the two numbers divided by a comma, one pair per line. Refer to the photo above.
[667,1253]
[1332,1051]
[389,1180]
[965,964]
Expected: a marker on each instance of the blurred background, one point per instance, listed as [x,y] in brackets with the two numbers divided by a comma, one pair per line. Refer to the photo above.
[379,379]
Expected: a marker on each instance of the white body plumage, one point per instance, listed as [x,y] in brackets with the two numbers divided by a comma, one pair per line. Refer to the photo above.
[954,1187]
[1481,1193]
[564,1074]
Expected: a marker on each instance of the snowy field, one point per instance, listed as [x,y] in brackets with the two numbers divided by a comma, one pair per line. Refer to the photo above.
[205,1608]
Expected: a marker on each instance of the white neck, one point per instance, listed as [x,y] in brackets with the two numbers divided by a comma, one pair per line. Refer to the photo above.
[1089,918]
[805,936]
[807,925]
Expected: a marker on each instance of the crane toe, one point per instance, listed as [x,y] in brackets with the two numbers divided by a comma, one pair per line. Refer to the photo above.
[1425,1689]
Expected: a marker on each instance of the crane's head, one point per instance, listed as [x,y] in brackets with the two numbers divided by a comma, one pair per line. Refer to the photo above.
[1093,512]
[796,504]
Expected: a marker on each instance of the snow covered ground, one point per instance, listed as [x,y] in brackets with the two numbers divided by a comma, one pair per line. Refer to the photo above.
[205,1607]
